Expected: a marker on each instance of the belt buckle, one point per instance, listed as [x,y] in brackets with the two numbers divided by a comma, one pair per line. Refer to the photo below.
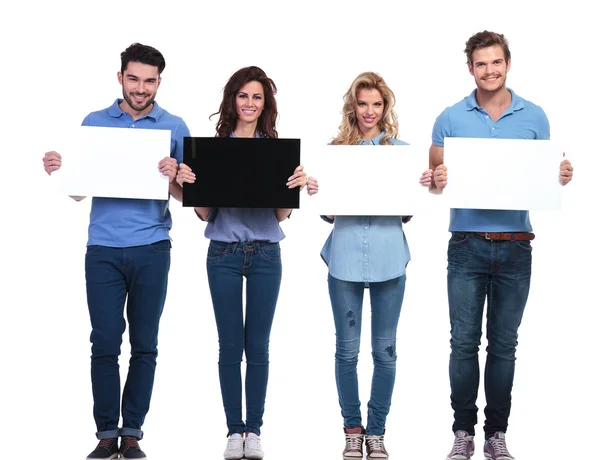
[487,236]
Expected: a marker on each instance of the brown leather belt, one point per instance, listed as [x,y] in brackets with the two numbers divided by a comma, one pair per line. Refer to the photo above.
[506,236]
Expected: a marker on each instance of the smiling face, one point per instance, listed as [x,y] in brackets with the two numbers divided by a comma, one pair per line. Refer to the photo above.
[250,102]
[140,83]
[369,110]
[489,67]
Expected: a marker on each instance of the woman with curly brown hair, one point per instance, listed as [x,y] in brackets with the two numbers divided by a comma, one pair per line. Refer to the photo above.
[244,242]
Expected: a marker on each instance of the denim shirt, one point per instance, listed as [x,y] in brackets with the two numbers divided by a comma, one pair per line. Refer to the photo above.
[232,225]
[367,248]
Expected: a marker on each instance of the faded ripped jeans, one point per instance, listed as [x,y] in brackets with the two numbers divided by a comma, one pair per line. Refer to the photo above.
[386,302]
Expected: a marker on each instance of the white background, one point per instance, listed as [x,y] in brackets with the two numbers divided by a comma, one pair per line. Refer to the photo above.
[60,62]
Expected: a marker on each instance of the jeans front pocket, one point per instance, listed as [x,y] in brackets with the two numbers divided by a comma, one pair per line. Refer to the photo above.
[271,252]
[216,251]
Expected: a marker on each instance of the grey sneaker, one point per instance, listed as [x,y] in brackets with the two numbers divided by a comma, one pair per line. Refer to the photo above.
[375,448]
[495,447]
[354,443]
[463,448]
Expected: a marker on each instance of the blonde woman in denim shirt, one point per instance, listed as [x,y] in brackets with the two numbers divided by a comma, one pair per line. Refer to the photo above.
[245,243]
[366,252]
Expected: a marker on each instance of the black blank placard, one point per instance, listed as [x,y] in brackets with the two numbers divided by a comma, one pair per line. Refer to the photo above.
[241,172]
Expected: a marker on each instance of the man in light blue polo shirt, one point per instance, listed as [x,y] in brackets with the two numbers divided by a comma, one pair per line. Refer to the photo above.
[128,258]
[489,253]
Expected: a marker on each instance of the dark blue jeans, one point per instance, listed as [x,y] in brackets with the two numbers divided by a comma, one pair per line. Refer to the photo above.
[113,276]
[386,303]
[227,264]
[499,271]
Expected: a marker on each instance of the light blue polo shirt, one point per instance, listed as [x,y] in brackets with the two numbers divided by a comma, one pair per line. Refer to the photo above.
[367,248]
[521,120]
[120,222]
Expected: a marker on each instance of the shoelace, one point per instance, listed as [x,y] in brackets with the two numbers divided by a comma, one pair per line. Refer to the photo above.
[460,446]
[130,442]
[106,443]
[375,443]
[354,441]
[499,446]
[234,443]
[253,443]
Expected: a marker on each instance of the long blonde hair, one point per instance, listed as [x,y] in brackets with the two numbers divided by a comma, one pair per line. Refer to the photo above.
[349,133]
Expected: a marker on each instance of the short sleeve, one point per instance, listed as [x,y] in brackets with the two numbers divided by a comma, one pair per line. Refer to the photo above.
[543,126]
[180,132]
[441,128]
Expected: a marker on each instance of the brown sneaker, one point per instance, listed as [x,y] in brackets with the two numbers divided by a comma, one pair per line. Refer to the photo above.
[375,448]
[354,443]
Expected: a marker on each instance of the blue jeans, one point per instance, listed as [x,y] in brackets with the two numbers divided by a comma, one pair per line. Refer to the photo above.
[386,302]
[137,275]
[499,271]
[227,264]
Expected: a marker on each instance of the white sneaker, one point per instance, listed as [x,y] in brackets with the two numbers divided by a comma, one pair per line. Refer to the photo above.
[235,447]
[252,447]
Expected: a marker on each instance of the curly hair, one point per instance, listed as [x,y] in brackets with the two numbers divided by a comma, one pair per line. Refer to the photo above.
[349,133]
[227,111]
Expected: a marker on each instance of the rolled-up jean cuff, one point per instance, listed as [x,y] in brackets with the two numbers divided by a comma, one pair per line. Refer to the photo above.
[107,434]
[139,434]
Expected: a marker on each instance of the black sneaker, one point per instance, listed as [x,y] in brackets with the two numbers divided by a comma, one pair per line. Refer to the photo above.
[130,449]
[107,449]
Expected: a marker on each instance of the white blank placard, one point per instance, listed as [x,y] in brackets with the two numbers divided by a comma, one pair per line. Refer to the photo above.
[509,174]
[115,163]
[369,180]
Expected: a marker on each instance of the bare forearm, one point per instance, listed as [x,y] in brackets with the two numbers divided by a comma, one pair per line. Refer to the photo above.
[436,158]
[202,213]
[282,213]
[176,191]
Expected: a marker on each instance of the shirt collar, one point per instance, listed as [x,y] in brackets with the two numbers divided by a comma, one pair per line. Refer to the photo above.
[516,102]
[115,110]
[374,141]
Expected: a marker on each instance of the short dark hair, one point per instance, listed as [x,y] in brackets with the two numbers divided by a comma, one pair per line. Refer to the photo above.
[486,39]
[144,54]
